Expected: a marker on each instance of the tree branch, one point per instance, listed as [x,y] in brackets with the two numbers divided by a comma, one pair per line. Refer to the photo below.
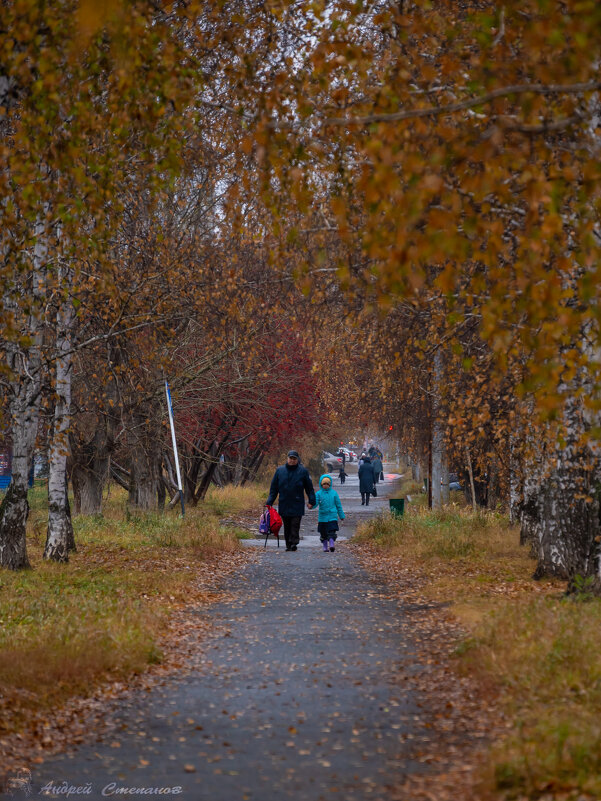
[451,108]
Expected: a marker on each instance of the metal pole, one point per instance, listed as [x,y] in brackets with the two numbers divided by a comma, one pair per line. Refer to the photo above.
[177,470]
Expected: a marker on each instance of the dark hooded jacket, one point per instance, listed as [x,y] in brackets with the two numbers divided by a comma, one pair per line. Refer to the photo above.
[291,483]
[377,465]
[366,476]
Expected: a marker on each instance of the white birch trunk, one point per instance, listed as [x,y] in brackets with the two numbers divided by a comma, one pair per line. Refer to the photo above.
[444,487]
[529,508]
[436,466]
[440,464]
[25,365]
[568,508]
[515,494]
[59,537]
[470,472]
[560,511]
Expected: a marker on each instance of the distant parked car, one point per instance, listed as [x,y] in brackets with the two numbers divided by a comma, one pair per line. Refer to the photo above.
[331,461]
[454,482]
[347,454]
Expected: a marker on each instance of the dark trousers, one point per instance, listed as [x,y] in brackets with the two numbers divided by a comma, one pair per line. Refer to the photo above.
[328,530]
[365,498]
[291,530]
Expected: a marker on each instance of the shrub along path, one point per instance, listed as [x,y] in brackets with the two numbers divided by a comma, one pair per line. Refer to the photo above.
[300,692]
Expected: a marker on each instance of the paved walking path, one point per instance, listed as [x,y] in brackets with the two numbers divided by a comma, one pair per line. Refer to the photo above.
[296,696]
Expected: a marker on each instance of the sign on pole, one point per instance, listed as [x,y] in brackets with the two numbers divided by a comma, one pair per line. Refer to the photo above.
[177,470]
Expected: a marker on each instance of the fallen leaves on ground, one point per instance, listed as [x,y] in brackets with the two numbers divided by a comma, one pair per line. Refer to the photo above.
[461,718]
[43,735]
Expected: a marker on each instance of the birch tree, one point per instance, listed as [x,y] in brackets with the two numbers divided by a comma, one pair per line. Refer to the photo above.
[59,538]
[24,361]
[70,117]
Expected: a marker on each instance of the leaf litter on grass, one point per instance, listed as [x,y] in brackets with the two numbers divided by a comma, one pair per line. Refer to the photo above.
[527,733]
[53,731]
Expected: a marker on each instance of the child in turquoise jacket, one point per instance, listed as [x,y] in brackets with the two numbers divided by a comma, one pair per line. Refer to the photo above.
[330,509]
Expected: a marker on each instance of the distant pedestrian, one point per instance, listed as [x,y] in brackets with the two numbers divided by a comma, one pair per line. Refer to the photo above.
[361,459]
[378,467]
[342,475]
[366,481]
[330,509]
[291,481]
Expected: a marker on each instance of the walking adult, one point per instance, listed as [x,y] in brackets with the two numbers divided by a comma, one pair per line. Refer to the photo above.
[377,466]
[291,481]
[366,480]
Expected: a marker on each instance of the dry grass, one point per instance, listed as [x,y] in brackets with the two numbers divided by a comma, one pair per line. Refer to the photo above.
[546,655]
[467,557]
[64,628]
[233,500]
[540,648]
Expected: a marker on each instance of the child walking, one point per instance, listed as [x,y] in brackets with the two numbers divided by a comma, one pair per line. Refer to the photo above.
[330,509]
[342,475]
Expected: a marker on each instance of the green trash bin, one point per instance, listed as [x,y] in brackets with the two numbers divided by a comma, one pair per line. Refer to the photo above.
[397,506]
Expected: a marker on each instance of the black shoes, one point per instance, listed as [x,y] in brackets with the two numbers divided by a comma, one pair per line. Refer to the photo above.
[293,548]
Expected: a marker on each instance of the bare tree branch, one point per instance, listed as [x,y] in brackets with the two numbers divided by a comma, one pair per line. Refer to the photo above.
[451,108]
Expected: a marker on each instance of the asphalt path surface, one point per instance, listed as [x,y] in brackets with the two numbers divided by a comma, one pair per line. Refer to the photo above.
[295,696]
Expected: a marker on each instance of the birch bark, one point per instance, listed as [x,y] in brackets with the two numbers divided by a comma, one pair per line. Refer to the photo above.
[440,464]
[59,536]
[24,360]
[515,471]
[560,508]
[471,476]
[566,506]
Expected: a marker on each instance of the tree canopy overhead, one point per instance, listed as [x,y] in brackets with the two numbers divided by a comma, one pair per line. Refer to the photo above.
[422,170]
[453,149]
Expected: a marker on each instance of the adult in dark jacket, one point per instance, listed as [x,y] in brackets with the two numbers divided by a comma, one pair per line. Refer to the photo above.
[377,465]
[290,482]
[366,480]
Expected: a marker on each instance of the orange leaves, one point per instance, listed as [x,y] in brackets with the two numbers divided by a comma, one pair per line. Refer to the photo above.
[92,16]
[432,183]
[446,279]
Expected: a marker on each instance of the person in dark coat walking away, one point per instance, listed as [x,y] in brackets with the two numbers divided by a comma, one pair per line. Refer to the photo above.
[366,480]
[291,481]
[342,475]
[377,465]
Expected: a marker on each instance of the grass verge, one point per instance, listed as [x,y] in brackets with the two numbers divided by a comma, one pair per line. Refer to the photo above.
[65,628]
[540,649]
